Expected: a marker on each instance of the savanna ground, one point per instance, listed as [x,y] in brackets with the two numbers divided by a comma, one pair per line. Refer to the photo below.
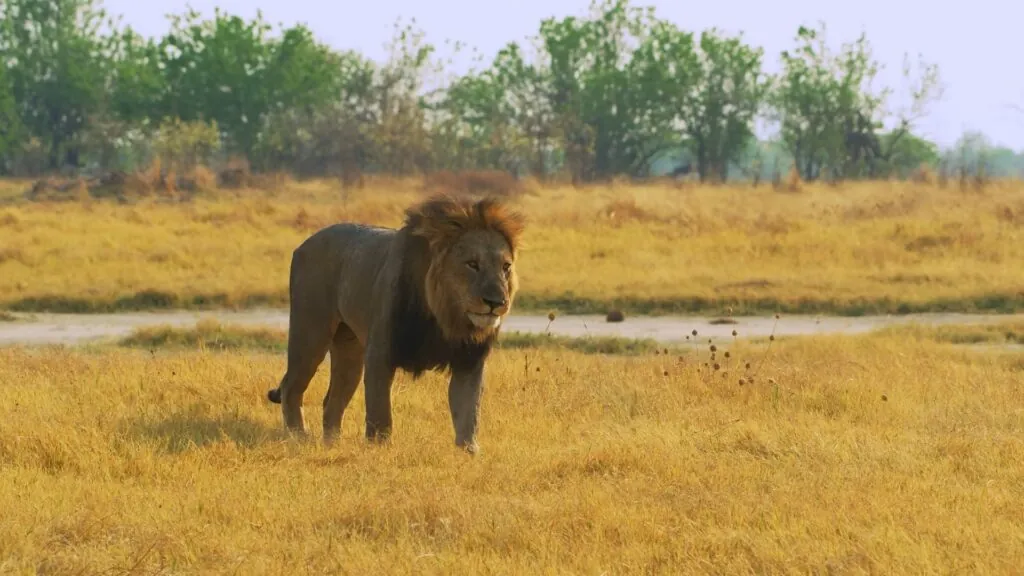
[861,248]
[896,452]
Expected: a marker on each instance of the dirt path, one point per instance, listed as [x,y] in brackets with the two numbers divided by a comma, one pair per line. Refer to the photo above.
[34,329]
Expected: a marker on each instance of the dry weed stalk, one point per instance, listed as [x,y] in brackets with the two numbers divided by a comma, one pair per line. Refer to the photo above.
[724,365]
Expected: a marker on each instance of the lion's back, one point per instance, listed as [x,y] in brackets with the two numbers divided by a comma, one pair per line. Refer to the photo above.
[346,259]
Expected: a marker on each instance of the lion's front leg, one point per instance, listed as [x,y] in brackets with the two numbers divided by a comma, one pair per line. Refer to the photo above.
[379,374]
[464,390]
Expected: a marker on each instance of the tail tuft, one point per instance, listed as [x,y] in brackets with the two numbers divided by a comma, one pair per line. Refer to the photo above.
[274,395]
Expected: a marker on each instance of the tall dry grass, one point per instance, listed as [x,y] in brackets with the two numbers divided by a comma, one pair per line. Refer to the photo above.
[844,455]
[866,247]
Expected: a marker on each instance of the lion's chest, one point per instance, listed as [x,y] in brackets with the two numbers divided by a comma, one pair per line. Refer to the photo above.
[418,346]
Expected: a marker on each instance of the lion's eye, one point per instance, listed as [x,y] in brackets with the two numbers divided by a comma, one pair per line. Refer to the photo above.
[473,265]
[507,267]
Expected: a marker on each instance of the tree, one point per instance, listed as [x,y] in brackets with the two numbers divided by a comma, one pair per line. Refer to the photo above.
[970,155]
[906,152]
[608,93]
[10,123]
[588,87]
[58,63]
[664,73]
[1004,162]
[330,134]
[400,141]
[829,113]
[234,73]
[823,103]
[924,88]
[477,126]
[497,118]
[137,82]
[718,114]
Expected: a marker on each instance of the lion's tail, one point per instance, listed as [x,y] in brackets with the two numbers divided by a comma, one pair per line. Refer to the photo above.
[274,395]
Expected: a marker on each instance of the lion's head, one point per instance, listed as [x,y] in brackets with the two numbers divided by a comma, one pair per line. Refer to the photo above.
[471,280]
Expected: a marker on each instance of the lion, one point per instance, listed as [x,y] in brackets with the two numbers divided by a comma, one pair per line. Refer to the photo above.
[430,295]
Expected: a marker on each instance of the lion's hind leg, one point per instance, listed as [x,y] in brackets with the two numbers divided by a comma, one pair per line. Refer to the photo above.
[346,372]
[309,336]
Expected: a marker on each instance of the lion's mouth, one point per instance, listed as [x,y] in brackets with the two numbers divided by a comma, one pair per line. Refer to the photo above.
[485,320]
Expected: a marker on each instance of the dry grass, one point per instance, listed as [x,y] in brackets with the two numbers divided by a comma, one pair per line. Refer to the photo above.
[861,248]
[214,335]
[474,182]
[994,333]
[208,335]
[845,455]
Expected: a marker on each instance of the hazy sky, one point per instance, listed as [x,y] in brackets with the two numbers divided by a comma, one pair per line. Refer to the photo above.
[977,44]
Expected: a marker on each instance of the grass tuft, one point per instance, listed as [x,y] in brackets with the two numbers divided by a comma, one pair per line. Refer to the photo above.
[208,335]
[583,345]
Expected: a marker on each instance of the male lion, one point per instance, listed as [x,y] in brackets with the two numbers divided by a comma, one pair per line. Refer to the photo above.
[430,295]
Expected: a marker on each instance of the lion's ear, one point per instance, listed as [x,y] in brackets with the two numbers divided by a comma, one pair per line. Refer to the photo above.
[510,223]
[438,220]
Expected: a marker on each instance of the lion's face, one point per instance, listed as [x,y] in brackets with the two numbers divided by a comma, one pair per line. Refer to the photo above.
[471,278]
[478,275]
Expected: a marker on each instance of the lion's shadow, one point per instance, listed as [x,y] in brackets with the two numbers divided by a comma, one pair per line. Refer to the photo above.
[196,428]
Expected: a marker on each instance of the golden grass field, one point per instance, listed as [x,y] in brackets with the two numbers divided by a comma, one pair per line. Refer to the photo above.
[859,248]
[894,453]
[897,452]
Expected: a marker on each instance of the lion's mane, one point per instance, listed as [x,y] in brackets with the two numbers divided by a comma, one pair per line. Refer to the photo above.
[428,328]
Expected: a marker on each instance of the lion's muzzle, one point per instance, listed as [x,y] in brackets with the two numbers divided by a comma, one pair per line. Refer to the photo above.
[497,304]
[484,321]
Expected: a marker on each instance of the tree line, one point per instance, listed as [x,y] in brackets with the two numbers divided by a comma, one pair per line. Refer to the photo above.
[619,91]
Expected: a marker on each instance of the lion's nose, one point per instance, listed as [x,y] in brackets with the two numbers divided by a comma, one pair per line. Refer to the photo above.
[495,303]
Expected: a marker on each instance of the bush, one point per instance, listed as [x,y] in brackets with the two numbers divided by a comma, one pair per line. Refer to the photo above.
[235,174]
[181,146]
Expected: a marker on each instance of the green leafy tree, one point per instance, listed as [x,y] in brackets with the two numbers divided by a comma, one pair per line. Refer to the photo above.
[817,95]
[331,137]
[609,93]
[496,118]
[473,132]
[58,63]
[233,72]
[663,73]
[625,87]
[137,83]
[829,113]
[119,132]
[718,114]
[1003,162]
[400,141]
[10,124]
[906,152]
[924,87]
[181,146]
[530,107]
[589,89]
